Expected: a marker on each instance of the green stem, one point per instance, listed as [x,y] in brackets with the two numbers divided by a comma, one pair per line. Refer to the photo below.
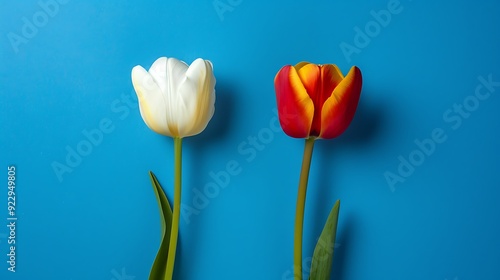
[301,203]
[177,208]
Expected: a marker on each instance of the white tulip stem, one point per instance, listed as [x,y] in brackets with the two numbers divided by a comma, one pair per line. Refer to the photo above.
[177,207]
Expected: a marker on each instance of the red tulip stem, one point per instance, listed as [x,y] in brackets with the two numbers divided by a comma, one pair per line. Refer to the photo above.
[301,203]
[177,208]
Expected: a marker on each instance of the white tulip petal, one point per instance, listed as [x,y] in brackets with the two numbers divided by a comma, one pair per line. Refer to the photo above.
[207,101]
[176,72]
[197,93]
[186,103]
[152,103]
[159,72]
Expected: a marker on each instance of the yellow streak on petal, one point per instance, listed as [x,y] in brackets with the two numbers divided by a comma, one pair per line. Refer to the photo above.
[310,76]
[301,64]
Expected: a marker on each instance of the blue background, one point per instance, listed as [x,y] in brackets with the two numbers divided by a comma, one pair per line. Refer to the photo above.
[100,221]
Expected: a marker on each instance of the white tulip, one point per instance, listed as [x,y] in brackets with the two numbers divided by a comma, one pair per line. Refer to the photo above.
[175,99]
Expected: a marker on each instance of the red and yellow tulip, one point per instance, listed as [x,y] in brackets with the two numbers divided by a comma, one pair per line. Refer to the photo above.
[316,100]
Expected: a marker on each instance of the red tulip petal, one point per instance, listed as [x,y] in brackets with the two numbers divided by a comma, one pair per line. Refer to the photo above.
[328,79]
[338,110]
[295,107]
[331,77]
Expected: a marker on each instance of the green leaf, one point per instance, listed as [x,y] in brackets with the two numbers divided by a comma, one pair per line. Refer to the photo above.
[321,265]
[159,266]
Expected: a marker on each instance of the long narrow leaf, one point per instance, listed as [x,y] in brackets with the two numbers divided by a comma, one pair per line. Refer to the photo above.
[159,265]
[321,265]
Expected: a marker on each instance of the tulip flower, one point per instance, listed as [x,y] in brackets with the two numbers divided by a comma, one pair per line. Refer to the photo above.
[314,102]
[175,100]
